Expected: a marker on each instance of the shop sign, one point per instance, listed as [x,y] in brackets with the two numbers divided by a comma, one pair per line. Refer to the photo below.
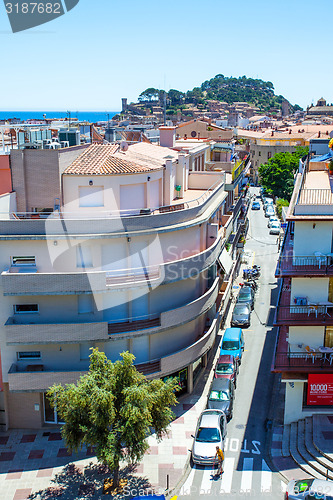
[320,389]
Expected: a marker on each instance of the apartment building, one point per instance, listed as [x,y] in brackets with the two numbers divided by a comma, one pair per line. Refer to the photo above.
[304,314]
[132,258]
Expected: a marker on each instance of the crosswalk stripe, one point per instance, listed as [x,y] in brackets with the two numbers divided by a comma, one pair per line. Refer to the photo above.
[228,468]
[283,487]
[246,481]
[266,478]
[186,488]
[207,481]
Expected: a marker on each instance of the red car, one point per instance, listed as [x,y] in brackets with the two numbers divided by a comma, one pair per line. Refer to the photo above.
[226,367]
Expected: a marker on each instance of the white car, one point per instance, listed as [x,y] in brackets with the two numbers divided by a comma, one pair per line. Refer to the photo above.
[211,432]
[272,219]
[275,228]
[309,489]
[269,211]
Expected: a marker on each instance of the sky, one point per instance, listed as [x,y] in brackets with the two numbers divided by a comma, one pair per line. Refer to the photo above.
[103,50]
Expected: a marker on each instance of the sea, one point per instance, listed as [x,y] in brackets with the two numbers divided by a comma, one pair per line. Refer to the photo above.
[89,116]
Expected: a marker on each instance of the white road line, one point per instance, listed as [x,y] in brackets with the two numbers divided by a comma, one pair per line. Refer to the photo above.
[186,488]
[246,481]
[228,468]
[207,481]
[266,478]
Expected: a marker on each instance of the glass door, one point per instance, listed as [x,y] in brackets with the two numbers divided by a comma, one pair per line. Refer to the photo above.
[50,414]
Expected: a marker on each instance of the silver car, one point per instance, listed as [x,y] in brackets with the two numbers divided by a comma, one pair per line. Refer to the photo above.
[241,316]
[309,489]
[211,432]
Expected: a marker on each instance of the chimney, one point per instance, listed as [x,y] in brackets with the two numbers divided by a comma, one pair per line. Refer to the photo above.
[167,137]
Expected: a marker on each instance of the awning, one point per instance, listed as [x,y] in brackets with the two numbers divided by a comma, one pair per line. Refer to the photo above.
[225,260]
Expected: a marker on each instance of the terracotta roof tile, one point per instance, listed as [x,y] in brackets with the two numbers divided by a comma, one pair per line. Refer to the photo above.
[104,159]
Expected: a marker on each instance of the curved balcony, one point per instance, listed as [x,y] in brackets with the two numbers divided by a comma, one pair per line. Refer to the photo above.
[40,379]
[53,333]
[35,283]
[108,223]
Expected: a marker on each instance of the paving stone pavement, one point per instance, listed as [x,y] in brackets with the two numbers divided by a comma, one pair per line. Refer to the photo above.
[35,464]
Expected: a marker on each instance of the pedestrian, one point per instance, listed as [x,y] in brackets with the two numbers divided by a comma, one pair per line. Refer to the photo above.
[219,456]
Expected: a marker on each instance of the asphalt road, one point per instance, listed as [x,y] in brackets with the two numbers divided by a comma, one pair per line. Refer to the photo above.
[246,469]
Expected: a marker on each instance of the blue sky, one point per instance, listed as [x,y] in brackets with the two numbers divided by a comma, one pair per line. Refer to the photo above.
[103,50]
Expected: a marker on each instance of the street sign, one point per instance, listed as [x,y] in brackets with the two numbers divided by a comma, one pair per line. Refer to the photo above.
[284,225]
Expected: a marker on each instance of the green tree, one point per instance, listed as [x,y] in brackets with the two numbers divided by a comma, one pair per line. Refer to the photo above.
[114,408]
[277,175]
[148,95]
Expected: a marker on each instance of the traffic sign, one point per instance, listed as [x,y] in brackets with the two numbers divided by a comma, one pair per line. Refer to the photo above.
[284,225]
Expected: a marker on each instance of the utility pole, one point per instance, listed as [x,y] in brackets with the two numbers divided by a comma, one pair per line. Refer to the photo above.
[69,119]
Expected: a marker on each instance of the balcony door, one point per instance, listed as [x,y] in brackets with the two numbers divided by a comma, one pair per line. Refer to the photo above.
[328,336]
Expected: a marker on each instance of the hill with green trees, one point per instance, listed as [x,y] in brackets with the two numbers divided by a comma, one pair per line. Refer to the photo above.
[255,92]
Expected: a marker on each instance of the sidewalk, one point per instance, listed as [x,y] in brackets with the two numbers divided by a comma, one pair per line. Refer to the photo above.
[36,464]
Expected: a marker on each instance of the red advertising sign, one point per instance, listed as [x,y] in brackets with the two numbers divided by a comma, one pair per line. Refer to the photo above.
[320,389]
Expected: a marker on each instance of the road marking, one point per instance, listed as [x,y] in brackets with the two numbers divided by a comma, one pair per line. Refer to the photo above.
[266,478]
[207,481]
[246,481]
[186,488]
[228,468]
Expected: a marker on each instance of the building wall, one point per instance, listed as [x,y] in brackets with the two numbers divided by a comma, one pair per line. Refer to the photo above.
[315,289]
[5,175]
[309,239]
[22,411]
[36,175]
[313,336]
[293,409]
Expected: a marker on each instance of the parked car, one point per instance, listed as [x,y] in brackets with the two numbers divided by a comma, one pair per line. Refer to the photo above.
[309,489]
[241,315]
[221,396]
[269,211]
[246,296]
[273,218]
[211,431]
[233,344]
[226,367]
[255,205]
[275,228]
[268,201]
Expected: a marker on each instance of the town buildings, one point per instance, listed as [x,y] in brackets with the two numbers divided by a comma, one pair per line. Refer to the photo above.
[304,314]
[120,247]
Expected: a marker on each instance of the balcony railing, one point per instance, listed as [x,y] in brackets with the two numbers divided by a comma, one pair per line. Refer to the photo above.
[28,332]
[295,360]
[115,222]
[307,314]
[304,265]
[36,283]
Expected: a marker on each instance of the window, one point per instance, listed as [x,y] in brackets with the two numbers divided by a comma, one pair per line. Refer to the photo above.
[259,153]
[328,336]
[269,155]
[50,414]
[26,260]
[85,304]
[27,355]
[85,351]
[83,256]
[25,308]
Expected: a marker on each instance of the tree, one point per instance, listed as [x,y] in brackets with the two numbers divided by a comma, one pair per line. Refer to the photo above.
[114,407]
[277,175]
[149,95]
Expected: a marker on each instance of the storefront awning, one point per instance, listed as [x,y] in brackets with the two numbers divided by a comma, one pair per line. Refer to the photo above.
[225,261]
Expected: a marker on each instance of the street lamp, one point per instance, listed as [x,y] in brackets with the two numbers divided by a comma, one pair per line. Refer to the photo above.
[69,118]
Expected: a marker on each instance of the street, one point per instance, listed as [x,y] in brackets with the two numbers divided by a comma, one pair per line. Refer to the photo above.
[246,469]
